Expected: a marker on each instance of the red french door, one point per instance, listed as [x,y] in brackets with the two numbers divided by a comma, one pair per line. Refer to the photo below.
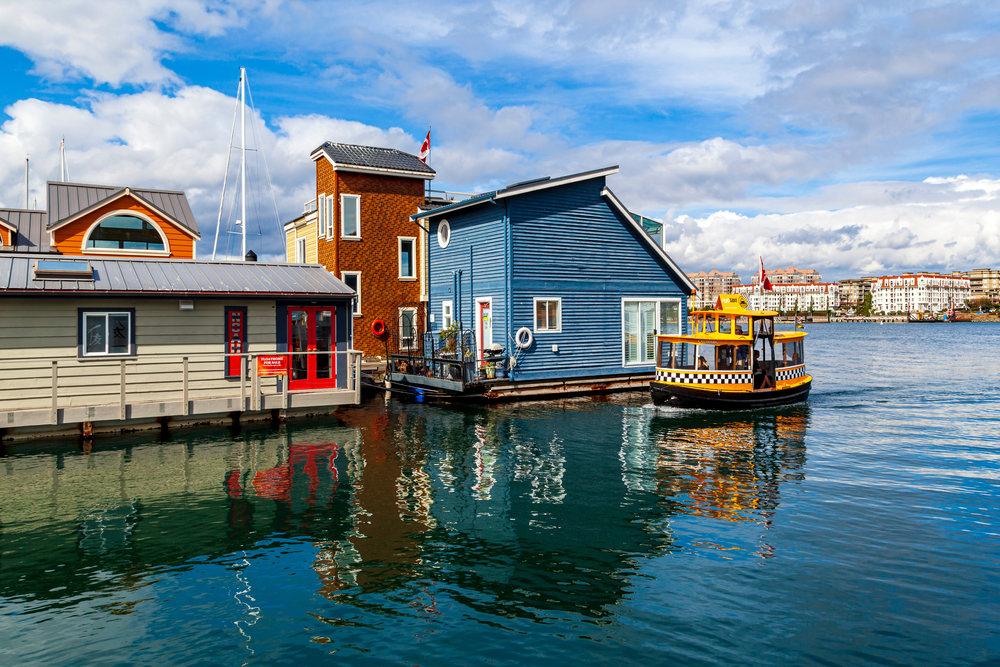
[311,329]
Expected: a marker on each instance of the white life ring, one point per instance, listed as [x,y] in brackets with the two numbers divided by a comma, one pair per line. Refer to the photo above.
[523,338]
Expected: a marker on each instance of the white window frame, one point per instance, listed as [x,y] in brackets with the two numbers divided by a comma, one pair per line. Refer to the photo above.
[331,211]
[107,334]
[125,251]
[413,256]
[399,320]
[321,216]
[659,315]
[300,250]
[534,317]
[442,241]
[356,199]
[447,315]
[343,276]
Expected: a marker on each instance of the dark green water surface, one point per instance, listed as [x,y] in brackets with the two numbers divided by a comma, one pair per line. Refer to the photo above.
[860,528]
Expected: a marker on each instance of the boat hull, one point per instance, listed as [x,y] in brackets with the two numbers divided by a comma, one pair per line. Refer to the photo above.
[707,399]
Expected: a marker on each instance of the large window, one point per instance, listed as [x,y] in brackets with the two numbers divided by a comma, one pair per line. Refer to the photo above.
[125,232]
[353,280]
[300,251]
[642,320]
[106,333]
[350,216]
[548,314]
[407,261]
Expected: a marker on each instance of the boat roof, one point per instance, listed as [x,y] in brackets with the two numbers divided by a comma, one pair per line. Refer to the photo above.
[735,304]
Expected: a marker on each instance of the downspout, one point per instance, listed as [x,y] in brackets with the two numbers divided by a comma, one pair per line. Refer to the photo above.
[472,289]
[508,279]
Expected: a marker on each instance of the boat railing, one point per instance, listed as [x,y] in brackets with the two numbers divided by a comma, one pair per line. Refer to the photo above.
[449,356]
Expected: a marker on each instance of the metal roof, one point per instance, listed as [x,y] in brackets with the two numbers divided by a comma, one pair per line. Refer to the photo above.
[518,189]
[172,277]
[31,229]
[66,200]
[370,158]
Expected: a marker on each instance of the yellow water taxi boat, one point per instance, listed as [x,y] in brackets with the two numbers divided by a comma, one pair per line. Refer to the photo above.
[732,360]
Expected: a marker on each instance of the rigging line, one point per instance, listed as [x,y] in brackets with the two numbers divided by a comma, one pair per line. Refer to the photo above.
[267,172]
[225,179]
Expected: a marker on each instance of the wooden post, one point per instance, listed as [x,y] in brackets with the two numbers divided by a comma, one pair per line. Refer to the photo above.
[122,397]
[186,404]
[55,393]
[243,384]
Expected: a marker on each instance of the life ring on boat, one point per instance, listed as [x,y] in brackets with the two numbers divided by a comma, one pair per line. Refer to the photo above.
[523,339]
[378,328]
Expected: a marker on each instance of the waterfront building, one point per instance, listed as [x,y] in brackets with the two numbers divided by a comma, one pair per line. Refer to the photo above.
[710,285]
[792,297]
[790,275]
[919,293]
[854,290]
[359,228]
[103,221]
[134,342]
[553,282]
[983,284]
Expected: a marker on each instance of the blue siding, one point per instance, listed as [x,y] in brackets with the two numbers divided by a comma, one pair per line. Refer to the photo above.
[569,243]
[480,228]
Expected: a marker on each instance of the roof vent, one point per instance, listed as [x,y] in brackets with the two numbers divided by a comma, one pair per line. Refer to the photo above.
[251,256]
[534,180]
[54,268]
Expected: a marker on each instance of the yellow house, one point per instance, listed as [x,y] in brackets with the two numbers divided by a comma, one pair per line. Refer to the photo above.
[300,237]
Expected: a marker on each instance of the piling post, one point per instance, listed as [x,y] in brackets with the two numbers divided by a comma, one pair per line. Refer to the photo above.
[187,406]
[122,392]
[55,392]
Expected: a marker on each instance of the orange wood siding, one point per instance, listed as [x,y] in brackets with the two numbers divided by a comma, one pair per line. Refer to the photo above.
[5,236]
[69,239]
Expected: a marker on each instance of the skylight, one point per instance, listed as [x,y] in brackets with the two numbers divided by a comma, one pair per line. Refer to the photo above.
[50,268]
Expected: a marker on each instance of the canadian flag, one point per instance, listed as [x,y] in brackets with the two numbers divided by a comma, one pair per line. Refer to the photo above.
[425,148]
[765,284]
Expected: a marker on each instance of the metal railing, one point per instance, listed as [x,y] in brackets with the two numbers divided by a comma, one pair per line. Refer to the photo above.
[447,357]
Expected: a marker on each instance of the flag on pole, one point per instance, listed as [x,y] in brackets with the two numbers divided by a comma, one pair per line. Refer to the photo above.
[762,279]
[425,148]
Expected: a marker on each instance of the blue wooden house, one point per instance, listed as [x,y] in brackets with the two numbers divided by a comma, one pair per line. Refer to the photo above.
[546,286]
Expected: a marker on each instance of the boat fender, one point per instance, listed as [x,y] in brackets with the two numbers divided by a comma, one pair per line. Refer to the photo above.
[378,328]
[523,338]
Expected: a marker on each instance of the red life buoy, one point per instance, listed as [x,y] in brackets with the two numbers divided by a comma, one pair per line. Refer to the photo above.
[378,328]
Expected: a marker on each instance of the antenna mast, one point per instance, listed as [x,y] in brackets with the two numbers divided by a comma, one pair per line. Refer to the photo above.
[243,157]
[27,188]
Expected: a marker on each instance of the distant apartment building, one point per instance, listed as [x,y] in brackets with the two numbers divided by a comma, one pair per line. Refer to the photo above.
[791,275]
[853,291]
[919,293]
[984,284]
[710,285]
[793,297]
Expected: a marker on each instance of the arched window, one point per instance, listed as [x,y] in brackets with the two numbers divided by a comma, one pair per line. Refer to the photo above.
[125,232]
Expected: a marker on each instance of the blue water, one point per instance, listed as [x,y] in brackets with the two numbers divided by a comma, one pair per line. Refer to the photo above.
[860,528]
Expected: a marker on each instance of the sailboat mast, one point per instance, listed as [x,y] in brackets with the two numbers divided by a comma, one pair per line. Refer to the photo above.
[243,156]
[27,188]
[62,160]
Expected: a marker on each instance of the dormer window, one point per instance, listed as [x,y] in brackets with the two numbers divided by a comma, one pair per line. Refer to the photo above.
[123,231]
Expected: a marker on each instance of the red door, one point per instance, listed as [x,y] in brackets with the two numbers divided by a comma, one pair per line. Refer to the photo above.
[311,329]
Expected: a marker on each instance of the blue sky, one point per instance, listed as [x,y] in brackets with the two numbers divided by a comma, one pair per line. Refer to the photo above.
[749,127]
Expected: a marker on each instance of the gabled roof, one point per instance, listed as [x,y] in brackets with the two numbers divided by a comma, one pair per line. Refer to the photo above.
[517,189]
[30,234]
[69,201]
[351,157]
[660,252]
[171,277]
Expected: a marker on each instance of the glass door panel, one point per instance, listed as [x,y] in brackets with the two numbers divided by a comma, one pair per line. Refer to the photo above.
[324,343]
[298,341]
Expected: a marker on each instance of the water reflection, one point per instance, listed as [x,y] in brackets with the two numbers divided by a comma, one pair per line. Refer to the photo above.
[516,510]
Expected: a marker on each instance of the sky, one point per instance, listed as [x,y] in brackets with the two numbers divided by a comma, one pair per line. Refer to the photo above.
[856,138]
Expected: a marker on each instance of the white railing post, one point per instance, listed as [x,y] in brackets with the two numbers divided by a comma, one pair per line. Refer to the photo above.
[357,378]
[254,385]
[186,409]
[55,393]
[122,393]
[243,383]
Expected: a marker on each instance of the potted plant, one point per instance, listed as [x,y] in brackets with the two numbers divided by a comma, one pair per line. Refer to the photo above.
[448,339]
[491,370]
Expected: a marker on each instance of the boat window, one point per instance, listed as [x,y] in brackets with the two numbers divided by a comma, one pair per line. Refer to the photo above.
[709,324]
[725,325]
[763,327]
[742,326]
[726,357]
[681,356]
[742,358]
[705,357]
[663,355]
[791,354]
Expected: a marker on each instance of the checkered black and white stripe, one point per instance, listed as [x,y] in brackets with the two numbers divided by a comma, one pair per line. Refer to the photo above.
[694,377]
[790,373]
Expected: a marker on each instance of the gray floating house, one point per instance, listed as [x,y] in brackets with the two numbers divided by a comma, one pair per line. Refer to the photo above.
[547,286]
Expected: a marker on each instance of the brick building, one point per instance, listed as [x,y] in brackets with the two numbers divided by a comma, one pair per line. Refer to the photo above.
[790,275]
[365,237]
